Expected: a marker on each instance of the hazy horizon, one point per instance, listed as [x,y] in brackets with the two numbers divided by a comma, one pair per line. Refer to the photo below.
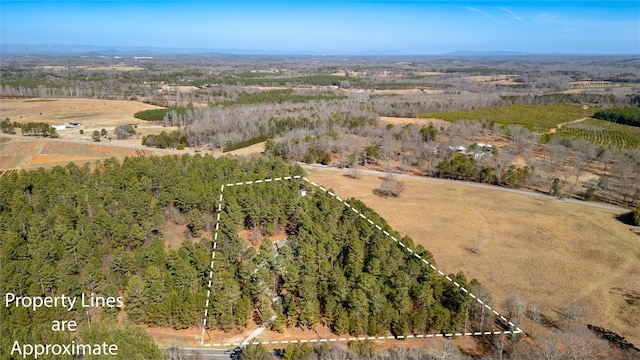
[374,27]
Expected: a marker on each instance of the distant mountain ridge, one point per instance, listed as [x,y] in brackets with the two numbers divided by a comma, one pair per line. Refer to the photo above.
[22,49]
[489,53]
[98,50]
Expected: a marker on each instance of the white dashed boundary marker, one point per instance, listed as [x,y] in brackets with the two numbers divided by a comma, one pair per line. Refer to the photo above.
[388,235]
[390,337]
[213,257]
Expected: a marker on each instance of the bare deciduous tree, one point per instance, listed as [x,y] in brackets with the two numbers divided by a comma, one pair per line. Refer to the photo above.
[516,309]
[581,344]
[390,186]
[572,313]
[536,316]
[479,312]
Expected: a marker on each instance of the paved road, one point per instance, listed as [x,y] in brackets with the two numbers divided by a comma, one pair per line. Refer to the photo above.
[608,207]
[201,354]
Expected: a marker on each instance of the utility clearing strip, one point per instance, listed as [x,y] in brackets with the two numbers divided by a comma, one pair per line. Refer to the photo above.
[516,329]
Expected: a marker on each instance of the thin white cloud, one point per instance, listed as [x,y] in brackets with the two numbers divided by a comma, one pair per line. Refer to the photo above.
[547,18]
[515,16]
[484,13]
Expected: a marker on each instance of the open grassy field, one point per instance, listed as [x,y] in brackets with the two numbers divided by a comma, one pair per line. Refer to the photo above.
[417,121]
[534,117]
[30,153]
[93,115]
[102,113]
[494,79]
[548,251]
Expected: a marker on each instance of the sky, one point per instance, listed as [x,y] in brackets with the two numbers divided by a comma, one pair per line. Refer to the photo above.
[359,27]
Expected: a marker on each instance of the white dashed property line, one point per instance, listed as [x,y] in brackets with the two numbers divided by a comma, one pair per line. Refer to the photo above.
[409,250]
[378,227]
[213,257]
[362,338]
[215,240]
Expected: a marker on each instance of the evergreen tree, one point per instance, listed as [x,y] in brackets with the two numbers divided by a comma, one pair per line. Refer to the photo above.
[255,352]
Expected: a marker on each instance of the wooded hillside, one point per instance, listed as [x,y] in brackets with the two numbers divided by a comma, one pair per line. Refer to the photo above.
[77,230]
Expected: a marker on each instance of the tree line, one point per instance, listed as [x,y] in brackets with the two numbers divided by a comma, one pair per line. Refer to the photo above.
[28,129]
[463,167]
[628,115]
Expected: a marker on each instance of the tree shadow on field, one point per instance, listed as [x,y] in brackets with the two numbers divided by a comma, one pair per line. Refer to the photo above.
[626,218]
[543,320]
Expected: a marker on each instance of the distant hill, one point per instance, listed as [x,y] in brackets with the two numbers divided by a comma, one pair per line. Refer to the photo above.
[109,50]
[489,53]
[95,50]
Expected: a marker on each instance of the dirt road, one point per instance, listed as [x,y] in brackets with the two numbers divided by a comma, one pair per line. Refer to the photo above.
[559,126]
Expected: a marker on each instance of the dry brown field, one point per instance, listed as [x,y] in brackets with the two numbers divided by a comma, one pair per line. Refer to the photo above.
[548,251]
[409,91]
[494,79]
[90,112]
[117,67]
[93,115]
[249,150]
[428,73]
[31,152]
[438,123]
[18,152]
[175,88]
[414,91]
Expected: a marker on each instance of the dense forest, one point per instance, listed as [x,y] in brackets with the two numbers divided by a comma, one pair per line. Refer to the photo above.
[101,229]
[626,115]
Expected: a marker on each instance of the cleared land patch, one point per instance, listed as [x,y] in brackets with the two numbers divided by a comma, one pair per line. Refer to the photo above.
[30,153]
[494,79]
[249,150]
[547,251]
[90,112]
[428,73]
[116,67]
[418,121]
[419,90]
